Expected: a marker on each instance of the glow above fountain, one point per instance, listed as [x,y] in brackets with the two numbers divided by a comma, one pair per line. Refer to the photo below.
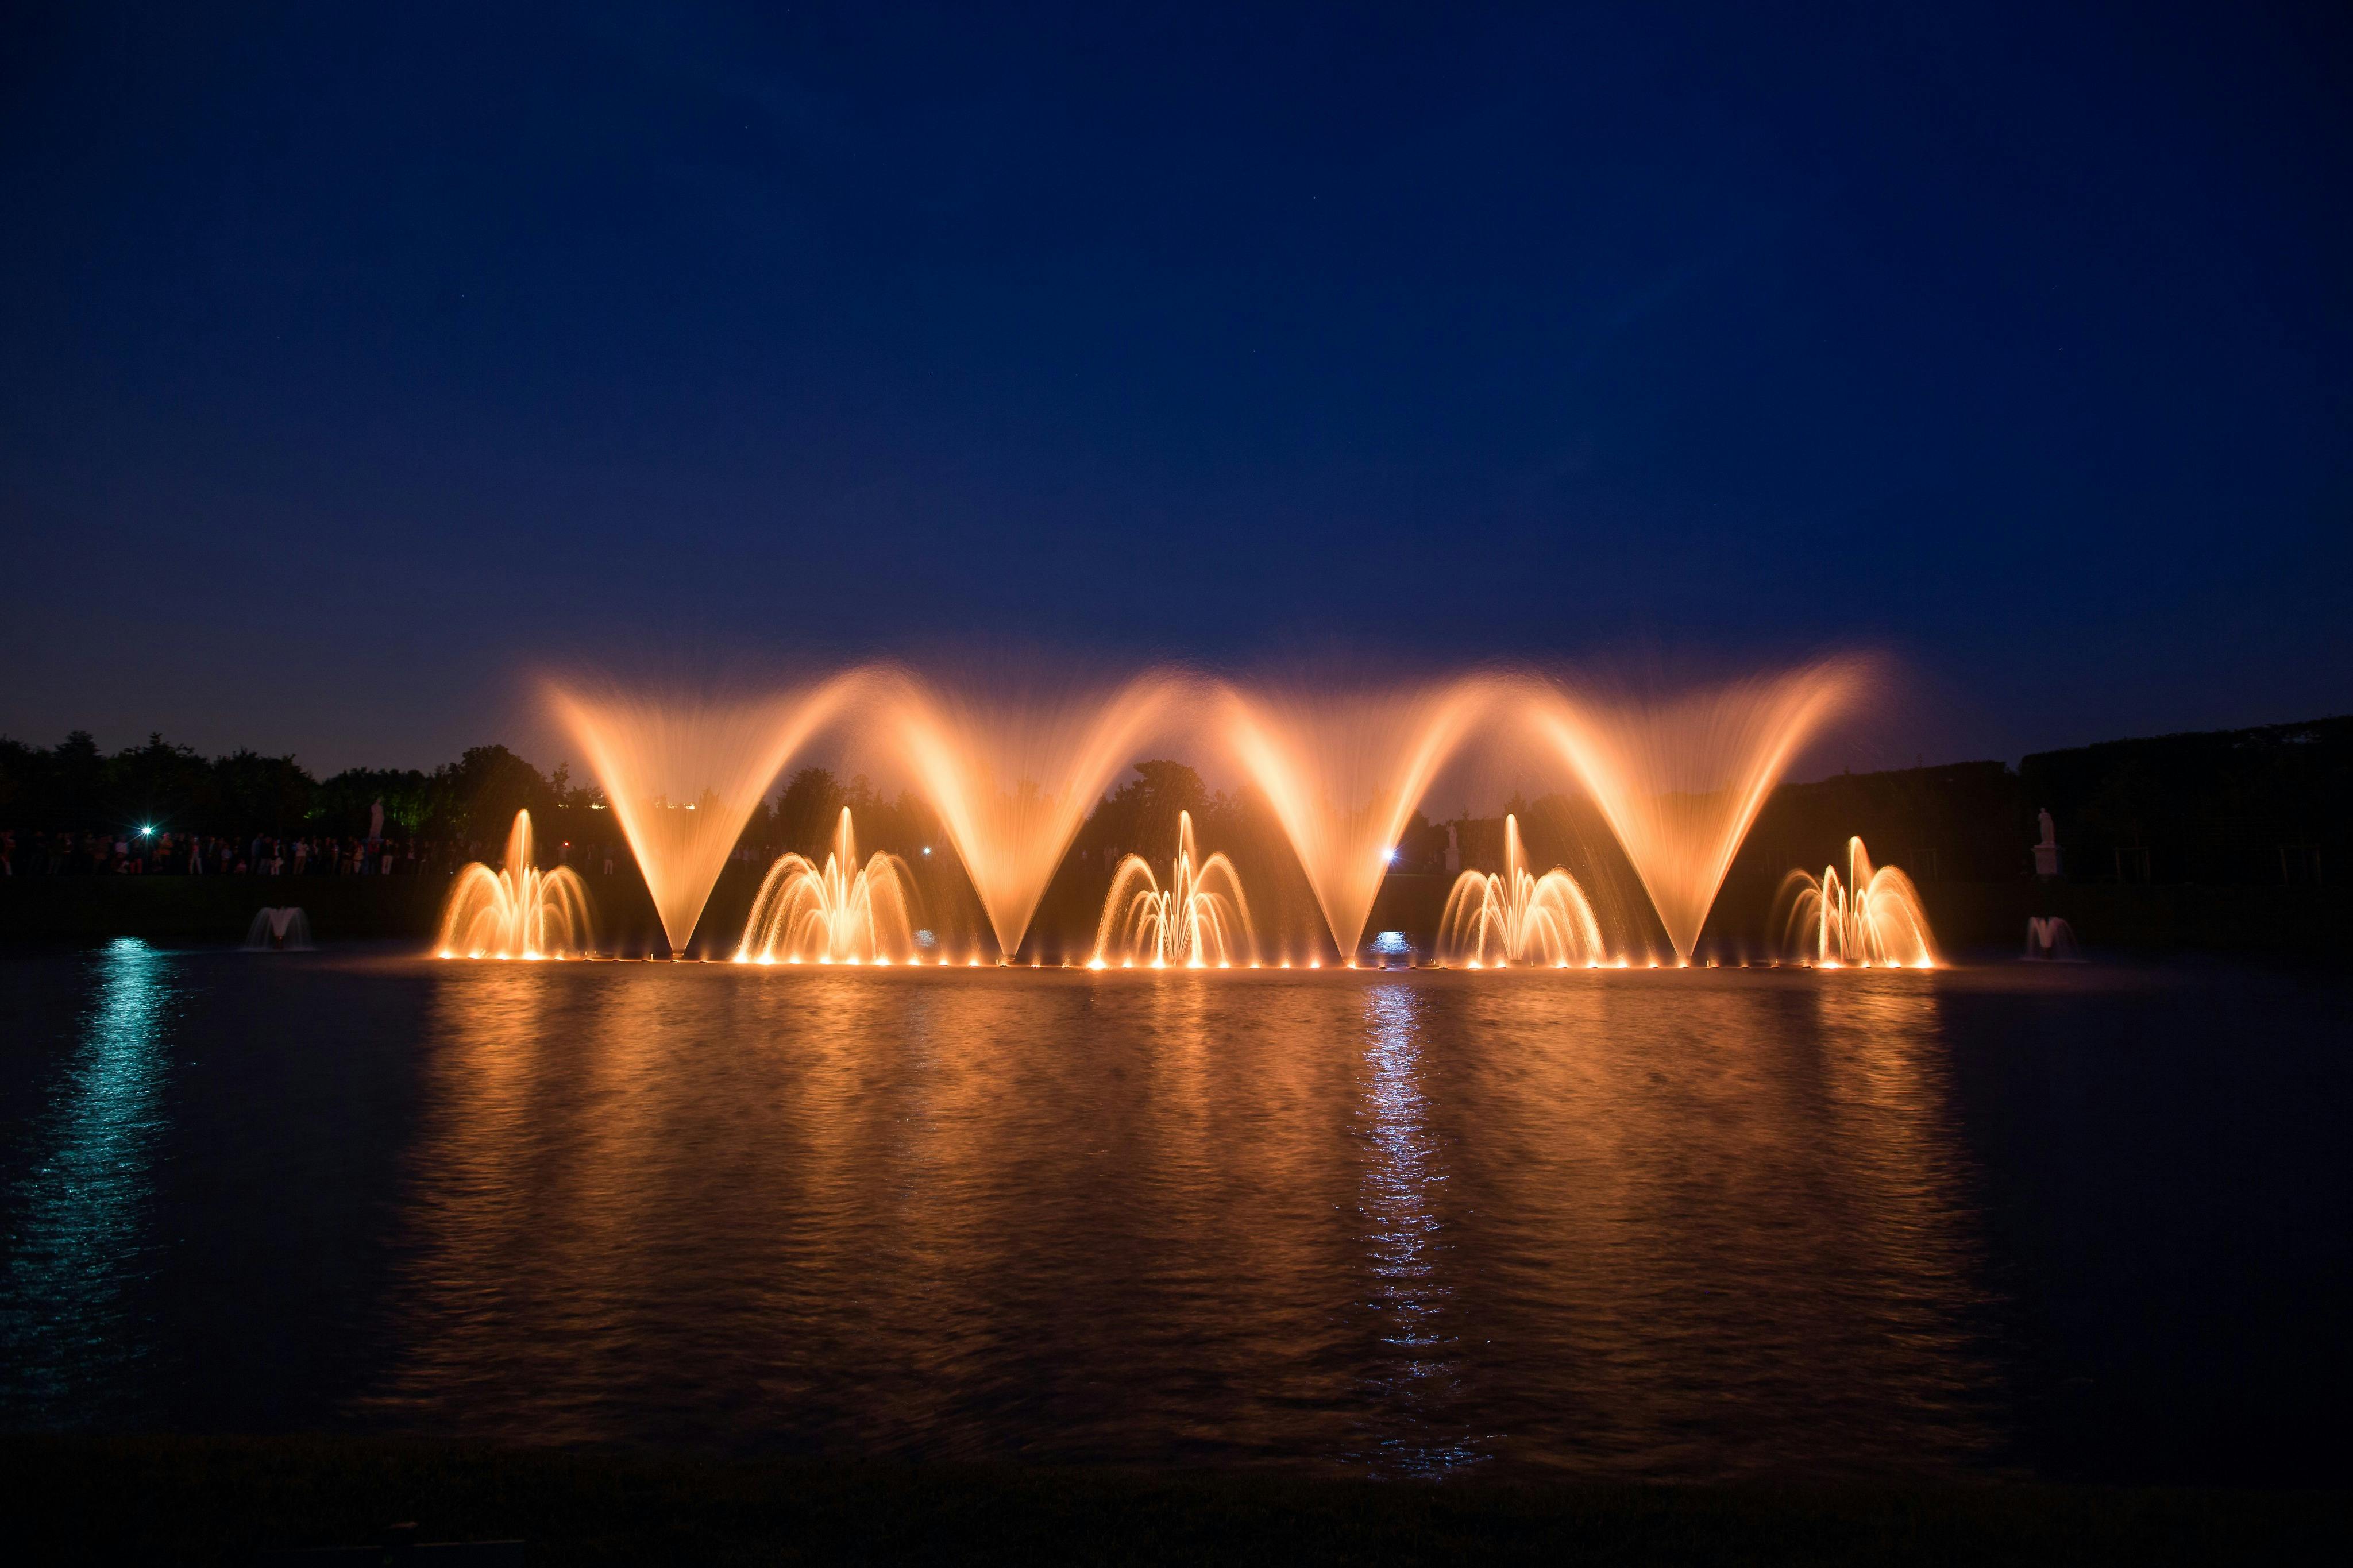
[682,774]
[1013,780]
[1680,783]
[1200,921]
[1869,919]
[1343,774]
[516,911]
[839,913]
[1498,918]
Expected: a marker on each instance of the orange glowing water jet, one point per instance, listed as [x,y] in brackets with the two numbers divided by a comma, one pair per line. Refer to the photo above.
[840,913]
[516,911]
[1200,921]
[682,775]
[1344,772]
[1681,784]
[1870,918]
[1012,780]
[1515,917]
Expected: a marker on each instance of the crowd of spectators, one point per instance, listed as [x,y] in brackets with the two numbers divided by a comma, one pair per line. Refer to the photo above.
[148,853]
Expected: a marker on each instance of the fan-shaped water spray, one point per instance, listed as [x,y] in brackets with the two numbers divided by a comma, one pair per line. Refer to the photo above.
[2051,940]
[1870,918]
[1680,783]
[1513,916]
[1012,780]
[682,774]
[281,929]
[516,911]
[1200,921]
[839,913]
[1012,774]
[1344,772]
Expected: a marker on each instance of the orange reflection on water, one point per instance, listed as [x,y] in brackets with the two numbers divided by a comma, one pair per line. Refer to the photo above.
[1402,1222]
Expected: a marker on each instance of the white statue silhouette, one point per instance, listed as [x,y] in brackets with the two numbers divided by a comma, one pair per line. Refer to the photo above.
[2046,853]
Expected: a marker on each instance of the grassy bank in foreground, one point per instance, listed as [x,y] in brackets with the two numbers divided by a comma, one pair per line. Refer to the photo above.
[224,1500]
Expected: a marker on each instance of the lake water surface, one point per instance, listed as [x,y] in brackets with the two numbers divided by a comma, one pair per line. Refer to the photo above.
[2008,1220]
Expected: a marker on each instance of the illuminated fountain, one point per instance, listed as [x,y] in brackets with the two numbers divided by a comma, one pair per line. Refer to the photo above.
[681,775]
[1011,777]
[1343,773]
[1012,780]
[1680,783]
[1499,920]
[2050,939]
[284,929]
[841,913]
[1869,919]
[1200,921]
[516,911]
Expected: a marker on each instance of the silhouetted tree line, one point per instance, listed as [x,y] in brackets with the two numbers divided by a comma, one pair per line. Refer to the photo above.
[2256,805]
[803,815]
[2233,805]
[73,787]
[2265,804]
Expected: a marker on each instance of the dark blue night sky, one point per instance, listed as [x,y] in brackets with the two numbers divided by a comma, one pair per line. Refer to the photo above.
[354,363]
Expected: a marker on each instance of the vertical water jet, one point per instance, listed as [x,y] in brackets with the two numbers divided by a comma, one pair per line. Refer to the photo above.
[1870,918]
[1200,921]
[1500,919]
[840,913]
[517,910]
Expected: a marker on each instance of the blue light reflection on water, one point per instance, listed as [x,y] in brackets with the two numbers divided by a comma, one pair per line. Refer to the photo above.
[73,1341]
[1411,1296]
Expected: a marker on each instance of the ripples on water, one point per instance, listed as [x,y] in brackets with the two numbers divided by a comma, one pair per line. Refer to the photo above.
[78,1244]
[1670,1224]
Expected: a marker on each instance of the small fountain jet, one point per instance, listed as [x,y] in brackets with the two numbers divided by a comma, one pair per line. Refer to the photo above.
[1200,920]
[516,911]
[1869,919]
[1515,917]
[839,913]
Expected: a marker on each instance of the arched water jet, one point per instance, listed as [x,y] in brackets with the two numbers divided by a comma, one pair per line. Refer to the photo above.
[840,913]
[1870,918]
[2051,940]
[1681,784]
[1200,920]
[1343,774]
[280,930]
[1511,917]
[516,911]
[1011,783]
[682,778]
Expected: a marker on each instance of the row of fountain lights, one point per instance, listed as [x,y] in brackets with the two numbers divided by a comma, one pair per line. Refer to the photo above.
[856,915]
[1129,964]
[974,963]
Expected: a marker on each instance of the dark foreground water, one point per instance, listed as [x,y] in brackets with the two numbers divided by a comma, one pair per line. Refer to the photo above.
[2076,1223]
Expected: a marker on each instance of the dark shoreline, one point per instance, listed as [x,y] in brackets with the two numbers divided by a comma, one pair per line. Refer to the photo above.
[224,1500]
